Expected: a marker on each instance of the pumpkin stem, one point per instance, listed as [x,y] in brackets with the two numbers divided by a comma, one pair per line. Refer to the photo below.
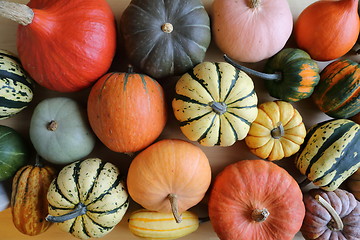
[17,12]
[218,107]
[260,215]
[78,211]
[174,207]
[254,3]
[37,161]
[335,225]
[266,76]
[278,132]
[52,125]
[167,27]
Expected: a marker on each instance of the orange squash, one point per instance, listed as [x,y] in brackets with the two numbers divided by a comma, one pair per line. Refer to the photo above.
[169,176]
[328,29]
[29,205]
[256,200]
[127,111]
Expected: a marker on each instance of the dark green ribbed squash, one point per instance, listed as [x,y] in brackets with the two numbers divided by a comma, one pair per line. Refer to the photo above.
[330,153]
[289,75]
[14,152]
[165,37]
[338,92]
[16,88]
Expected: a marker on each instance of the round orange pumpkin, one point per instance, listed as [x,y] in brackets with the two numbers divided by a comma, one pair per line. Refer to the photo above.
[127,111]
[169,176]
[256,200]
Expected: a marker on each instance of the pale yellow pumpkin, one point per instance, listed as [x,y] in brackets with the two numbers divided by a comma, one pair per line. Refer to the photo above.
[277,132]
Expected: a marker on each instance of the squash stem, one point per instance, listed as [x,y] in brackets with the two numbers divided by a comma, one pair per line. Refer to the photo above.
[218,107]
[278,132]
[52,125]
[266,76]
[337,224]
[78,211]
[174,207]
[260,215]
[17,12]
[167,27]
[254,3]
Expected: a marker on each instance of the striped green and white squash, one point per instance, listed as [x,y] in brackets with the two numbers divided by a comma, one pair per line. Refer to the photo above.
[330,153]
[215,104]
[16,86]
[155,225]
[88,198]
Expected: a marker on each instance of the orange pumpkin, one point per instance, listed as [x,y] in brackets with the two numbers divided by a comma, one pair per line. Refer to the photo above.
[256,200]
[169,176]
[328,29]
[127,111]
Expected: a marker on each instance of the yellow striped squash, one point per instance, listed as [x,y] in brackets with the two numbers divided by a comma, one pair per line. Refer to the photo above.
[215,104]
[16,86]
[155,225]
[330,153]
[88,198]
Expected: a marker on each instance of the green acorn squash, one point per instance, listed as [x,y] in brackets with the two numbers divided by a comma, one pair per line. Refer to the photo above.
[14,152]
[330,153]
[165,37]
[338,92]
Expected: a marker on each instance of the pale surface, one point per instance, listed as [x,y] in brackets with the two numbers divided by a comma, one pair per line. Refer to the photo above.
[219,157]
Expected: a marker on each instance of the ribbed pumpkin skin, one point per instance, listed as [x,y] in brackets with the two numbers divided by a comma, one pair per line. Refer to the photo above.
[29,205]
[98,186]
[158,53]
[330,153]
[16,87]
[250,185]
[318,222]
[208,84]
[155,225]
[300,74]
[338,92]
[127,111]
[14,152]
[265,139]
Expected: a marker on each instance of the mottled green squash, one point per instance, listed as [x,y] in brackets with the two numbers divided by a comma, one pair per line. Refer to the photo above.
[330,153]
[338,92]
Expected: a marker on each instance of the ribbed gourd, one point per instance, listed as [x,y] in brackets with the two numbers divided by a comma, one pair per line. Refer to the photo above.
[215,104]
[330,153]
[88,198]
[16,86]
[156,225]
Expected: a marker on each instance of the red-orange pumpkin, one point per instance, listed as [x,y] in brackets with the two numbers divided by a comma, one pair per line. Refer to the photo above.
[255,200]
[64,45]
[127,111]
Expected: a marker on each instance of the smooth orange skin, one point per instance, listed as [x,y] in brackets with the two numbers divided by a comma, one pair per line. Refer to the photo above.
[328,29]
[127,111]
[255,184]
[69,44]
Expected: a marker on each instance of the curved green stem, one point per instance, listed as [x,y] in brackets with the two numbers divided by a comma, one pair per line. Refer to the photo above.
[278,132]
[78,211]
[265,76]
[218,107]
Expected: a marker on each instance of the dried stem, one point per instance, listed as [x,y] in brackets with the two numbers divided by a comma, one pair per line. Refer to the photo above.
[17,12]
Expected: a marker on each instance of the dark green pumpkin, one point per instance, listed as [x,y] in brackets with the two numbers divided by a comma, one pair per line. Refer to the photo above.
[16,87]
[13,152]
[338,92]
[290,75]
[330,153]
[165,37]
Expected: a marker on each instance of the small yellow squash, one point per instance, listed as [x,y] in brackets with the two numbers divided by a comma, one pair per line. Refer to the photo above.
[155,225]
[277,132]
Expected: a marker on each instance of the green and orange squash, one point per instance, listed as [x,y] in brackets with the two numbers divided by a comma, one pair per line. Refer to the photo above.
[289,75]
[330,153]
[28,198]
[338,92]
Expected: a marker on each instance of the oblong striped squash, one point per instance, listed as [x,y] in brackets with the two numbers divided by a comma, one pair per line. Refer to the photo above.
[215,104]
[16,86]
[338,92]
[88,198]
[155,225]
[330,153]
[29,205]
